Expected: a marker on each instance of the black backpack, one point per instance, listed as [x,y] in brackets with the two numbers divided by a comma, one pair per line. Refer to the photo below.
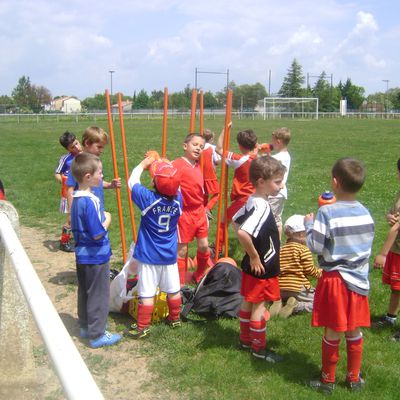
[217,294]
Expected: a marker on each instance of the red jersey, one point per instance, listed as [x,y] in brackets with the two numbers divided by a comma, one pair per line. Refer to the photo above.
[241,185]
[208,162]
[192,182]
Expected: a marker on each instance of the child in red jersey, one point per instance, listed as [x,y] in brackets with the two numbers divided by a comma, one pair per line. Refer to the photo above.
[193,222]
[210,160]
[242,188]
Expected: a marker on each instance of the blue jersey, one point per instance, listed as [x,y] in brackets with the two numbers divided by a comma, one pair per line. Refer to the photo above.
[64,164]
[97,191]
[157,241]
[86,224]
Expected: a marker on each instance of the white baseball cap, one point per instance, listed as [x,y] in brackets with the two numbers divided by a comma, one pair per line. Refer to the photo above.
[295,223]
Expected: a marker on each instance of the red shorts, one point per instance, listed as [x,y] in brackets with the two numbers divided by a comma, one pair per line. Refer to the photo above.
[391,271]
[256,290]
[193,223]
[234,207]
[338,308]
[211,186]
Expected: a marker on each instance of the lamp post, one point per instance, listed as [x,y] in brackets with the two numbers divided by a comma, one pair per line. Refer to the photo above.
[111,74]
[387,88]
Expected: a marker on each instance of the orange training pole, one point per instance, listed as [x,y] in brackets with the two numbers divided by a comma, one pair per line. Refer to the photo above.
[125,156]
[165,123]
[224,169]
[193,111]
[114,158]
[201,112]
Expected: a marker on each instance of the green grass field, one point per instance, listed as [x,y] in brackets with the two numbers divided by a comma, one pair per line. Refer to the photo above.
[201,358]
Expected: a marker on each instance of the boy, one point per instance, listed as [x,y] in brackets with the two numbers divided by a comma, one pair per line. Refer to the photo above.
[242,188]
[389,260]
[69,141]
[94,140]
[342,236]
[157,242]
[280,142]
[296,264]
[193,223]
[210,160]
[92,252]
[2,191]
[256,230]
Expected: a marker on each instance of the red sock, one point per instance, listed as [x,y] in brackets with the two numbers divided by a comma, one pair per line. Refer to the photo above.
[244,318]
[213,201]
[258,335]
[182,267]
[354,354]
[144,316]
[174,308]
[202,265]
[330,357]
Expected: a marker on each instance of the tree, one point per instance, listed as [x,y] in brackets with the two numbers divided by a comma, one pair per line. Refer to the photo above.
[247,96]
[98,102]
[7,104]
[354,94]
[142,100]
[293,81]
[328,96]
[156,99]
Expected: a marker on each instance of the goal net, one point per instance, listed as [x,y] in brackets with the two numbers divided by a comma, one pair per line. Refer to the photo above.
[290,107]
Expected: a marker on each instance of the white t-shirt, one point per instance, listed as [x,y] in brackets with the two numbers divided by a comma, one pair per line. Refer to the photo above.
[284,158]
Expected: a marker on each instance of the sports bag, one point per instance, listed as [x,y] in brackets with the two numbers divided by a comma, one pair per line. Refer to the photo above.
[217,294]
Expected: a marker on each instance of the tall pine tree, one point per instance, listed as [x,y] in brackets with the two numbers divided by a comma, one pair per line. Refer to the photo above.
[293,81]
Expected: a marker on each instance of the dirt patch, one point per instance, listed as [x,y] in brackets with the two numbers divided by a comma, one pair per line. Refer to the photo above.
[120,371]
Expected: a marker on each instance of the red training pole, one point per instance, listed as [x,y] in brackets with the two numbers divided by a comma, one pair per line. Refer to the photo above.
[193,111]
[165,123]
[125,156]
[224,169]
[201,124]
[114,158]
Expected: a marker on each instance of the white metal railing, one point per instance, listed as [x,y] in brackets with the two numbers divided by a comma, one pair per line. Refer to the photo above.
[73,373]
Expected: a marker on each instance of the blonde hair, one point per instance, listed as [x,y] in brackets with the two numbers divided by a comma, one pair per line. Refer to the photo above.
[94,134]
[282,134]
[208,135]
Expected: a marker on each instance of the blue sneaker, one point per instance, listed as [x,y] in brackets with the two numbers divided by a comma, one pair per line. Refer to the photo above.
[106,339]
[83,333]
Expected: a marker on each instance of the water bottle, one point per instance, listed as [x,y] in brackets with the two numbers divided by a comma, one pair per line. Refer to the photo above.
[326,198]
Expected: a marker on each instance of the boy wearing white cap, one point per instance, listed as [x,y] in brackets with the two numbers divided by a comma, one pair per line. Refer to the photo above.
[296,266]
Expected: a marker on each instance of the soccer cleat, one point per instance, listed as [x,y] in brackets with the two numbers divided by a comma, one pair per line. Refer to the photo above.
[267,355]
[322,387]
[136,333]
[384,322]
[287,310]
[275,308]
[244,346]
[67,247]
[106,339]
[355,386]
[174,324]
[396,337]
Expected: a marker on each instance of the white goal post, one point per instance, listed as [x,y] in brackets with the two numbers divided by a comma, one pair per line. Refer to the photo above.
[290,107]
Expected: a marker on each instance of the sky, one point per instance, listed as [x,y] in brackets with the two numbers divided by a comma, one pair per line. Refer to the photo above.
[70,46]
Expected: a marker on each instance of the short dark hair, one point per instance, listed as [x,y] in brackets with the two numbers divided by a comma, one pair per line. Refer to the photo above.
[350,174]
[398,165]
[67,138]
[265,167]
[84,163]
[190,136]
[247,139]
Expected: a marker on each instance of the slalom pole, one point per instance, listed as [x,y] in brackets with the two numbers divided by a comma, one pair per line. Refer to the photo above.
[224,171]
[114,158]
[201,105]
[125,156]
[193,111]
[165,123]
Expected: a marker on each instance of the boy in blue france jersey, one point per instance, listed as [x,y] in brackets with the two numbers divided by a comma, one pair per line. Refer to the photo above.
[92,253]
[157,243]
[69,141]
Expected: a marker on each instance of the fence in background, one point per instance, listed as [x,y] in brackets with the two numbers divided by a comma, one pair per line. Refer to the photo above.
[173,114]
[72,372]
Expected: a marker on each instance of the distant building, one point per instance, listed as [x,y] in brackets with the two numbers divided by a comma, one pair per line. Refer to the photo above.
[126,106]
[66,104]
[372,107]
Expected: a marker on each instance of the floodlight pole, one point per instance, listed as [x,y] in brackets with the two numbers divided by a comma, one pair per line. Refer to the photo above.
[111,74]
[197,72]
